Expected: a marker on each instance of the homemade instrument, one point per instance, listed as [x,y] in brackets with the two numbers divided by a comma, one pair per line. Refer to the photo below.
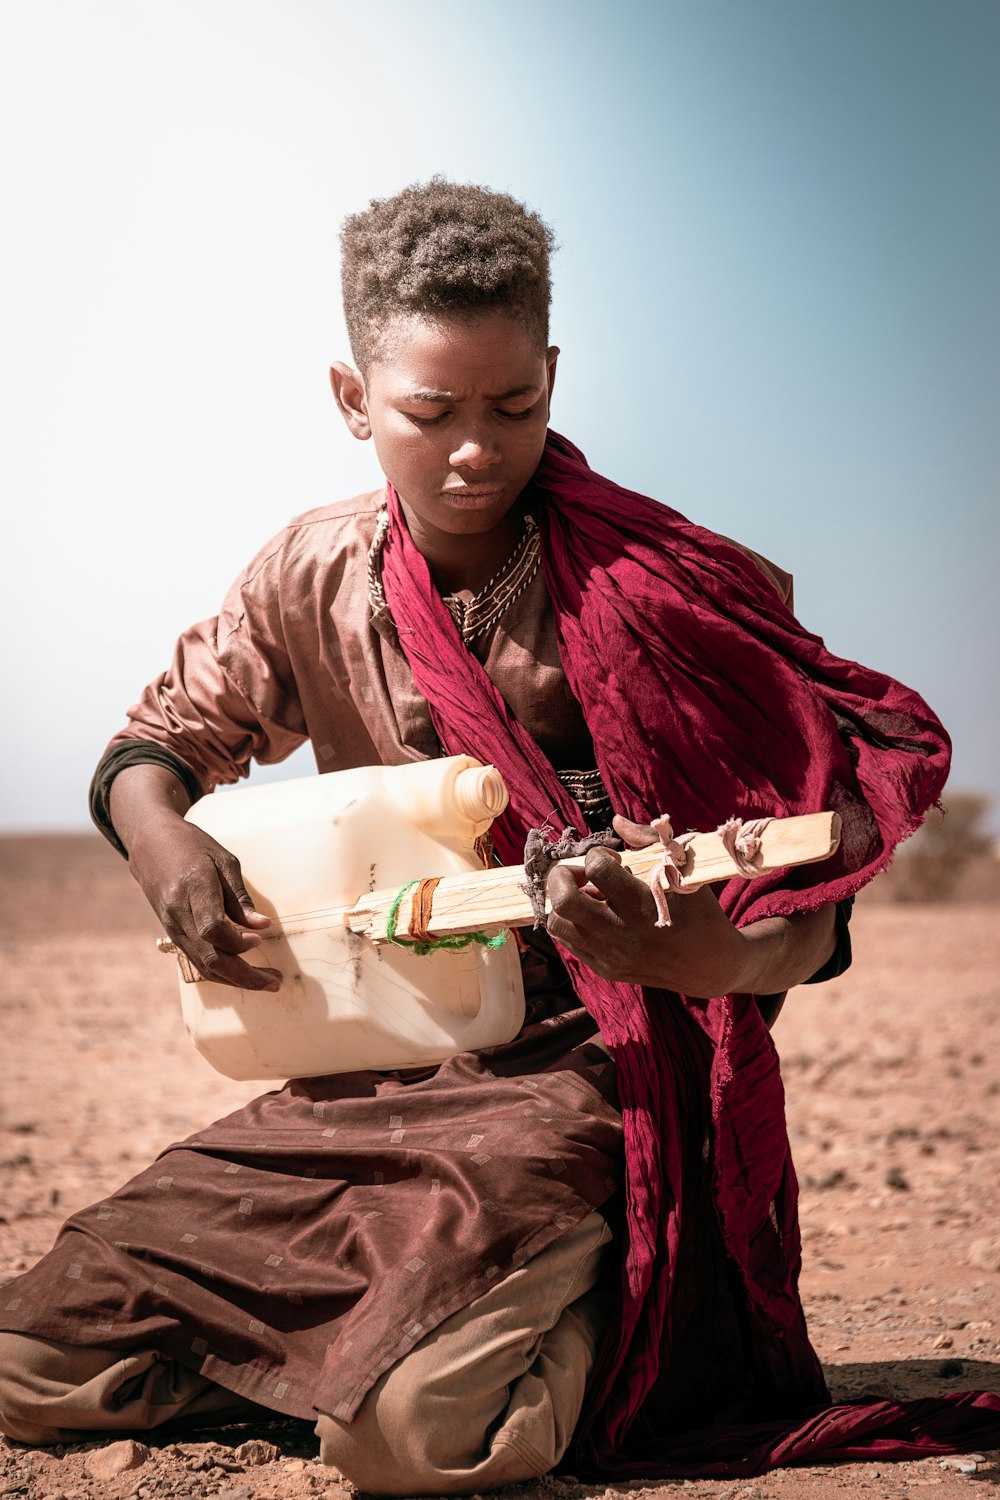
[327,858]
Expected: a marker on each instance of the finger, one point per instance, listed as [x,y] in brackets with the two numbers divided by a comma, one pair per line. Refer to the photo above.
[206,894]
[566,890]
[244,917]
[630,899]
[588,886]
[207,926]
[236,898]
[229,938]
[569,936]
[579,875]
[635,835]
[226,968]
[592,892]
[216,929]
[578,921]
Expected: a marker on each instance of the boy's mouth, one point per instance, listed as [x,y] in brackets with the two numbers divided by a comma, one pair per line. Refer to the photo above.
[474,494]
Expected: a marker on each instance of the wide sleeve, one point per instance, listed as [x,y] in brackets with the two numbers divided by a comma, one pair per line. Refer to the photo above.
[228,697]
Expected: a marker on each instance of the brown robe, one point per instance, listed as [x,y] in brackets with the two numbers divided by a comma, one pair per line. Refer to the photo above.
[296,1249]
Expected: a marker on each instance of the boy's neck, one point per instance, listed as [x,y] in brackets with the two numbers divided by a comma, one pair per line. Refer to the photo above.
[465,563]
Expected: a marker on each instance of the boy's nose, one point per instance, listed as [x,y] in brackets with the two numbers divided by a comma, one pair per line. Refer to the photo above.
[474,453]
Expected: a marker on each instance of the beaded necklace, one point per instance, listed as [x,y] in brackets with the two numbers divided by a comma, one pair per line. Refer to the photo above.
[475,616]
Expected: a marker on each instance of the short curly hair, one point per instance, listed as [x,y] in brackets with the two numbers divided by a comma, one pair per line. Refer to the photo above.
[443,247]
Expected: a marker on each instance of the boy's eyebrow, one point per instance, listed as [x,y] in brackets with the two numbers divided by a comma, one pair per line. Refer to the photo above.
[439,396]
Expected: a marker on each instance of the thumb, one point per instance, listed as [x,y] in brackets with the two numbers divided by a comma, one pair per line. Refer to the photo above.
[635,835]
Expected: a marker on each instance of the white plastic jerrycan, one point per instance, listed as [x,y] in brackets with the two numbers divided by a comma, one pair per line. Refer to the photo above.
[309,849]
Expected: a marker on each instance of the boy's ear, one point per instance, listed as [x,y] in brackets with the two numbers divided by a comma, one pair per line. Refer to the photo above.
[551,356]
[348,388]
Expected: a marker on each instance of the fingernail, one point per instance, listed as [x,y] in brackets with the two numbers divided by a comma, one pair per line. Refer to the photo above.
[273,988]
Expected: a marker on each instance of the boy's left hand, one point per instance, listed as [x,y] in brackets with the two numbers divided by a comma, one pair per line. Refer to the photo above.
[607,918]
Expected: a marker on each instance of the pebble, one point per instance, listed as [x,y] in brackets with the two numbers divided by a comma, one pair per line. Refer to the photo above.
[943,1341]
[896,1178]
[949,1368]
[199,1463]
[985,1254]
[117,1458]
[256,1451]
[969,1464]
[832,1179]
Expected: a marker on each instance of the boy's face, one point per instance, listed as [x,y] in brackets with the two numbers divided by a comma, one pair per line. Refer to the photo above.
[458,409]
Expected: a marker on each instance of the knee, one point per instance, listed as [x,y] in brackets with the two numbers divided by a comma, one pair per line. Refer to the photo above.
[391,1448]
[406,1441]
[356,1457]
[19,1404]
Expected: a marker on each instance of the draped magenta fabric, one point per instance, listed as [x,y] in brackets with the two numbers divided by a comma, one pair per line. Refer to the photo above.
[704,697]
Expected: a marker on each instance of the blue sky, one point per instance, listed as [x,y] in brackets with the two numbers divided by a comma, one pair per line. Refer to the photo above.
[776,294]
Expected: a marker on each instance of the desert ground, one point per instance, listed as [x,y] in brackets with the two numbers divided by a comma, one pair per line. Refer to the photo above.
[893,1089]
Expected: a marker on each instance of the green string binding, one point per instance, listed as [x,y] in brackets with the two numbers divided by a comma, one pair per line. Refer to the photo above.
[435,945]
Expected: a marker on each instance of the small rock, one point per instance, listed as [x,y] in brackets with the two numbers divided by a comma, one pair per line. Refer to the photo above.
[949,1368]
[985,1254]
[896,1178]
[117,1458]
[832,1179]
[965,1465]
[943,1341]
[256,1451]
[293,1466]
[235,1492]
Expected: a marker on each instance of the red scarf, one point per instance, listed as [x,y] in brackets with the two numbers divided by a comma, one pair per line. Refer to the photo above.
[704,697]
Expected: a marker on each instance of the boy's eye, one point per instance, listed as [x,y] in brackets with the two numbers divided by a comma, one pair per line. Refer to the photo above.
[501,411]
[427,421]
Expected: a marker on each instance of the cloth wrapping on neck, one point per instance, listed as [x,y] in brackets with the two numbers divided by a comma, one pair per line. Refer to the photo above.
[705,698]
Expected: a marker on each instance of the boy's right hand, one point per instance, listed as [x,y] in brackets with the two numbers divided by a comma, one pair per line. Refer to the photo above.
[196,889]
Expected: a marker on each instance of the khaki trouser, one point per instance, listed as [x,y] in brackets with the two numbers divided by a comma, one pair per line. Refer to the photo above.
[490,1397]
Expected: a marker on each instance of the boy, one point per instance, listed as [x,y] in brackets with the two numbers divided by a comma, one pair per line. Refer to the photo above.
[624,1226]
